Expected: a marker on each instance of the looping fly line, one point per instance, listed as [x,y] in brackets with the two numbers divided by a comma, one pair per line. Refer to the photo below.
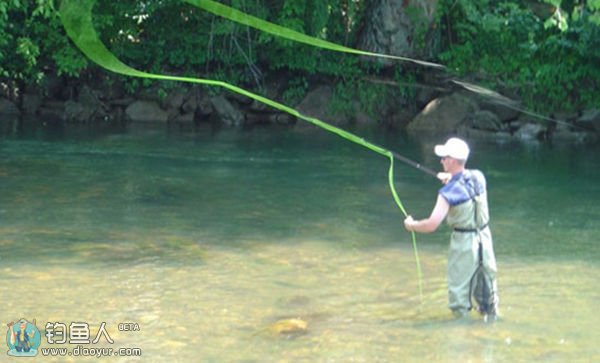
[76,17]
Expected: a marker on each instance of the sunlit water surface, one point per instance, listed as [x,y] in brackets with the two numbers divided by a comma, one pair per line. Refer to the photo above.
[206,238]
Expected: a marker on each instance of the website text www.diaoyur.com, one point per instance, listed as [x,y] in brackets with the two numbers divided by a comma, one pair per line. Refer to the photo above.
[81,351]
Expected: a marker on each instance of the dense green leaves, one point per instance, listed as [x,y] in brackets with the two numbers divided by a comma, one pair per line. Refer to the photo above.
[32,43]
[548,54]
[544,52]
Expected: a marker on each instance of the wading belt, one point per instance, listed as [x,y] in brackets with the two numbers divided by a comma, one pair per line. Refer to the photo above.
[471,230]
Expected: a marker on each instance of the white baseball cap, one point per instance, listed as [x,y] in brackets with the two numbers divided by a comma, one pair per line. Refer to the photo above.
[454,148]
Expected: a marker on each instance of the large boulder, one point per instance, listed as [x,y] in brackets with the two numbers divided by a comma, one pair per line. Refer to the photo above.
[485,120]
[77,112]
[197,103]
[146,111]
[444,114]
[174,99]
[316,104]
[227,113]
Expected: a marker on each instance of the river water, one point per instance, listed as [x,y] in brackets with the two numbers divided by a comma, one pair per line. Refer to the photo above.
[204,239]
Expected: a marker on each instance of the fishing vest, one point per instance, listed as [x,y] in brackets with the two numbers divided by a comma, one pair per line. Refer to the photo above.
[466,194]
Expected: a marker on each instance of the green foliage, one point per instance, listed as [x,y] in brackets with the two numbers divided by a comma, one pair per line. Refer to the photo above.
[421,24]
[295,91]
[27,52]
[336,21]
[405,80]
[69,61]
[32,42]
[353,95]
[200,44]
[544,53]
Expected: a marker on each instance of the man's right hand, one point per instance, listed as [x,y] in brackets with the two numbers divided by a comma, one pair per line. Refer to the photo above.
[408,223]
[444,177]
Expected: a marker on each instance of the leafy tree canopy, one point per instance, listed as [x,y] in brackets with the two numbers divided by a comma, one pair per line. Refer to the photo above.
[544,52]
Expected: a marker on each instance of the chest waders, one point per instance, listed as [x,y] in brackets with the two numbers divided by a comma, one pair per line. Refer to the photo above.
[482,285]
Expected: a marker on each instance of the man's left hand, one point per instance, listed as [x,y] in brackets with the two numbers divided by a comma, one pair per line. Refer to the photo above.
[408,223]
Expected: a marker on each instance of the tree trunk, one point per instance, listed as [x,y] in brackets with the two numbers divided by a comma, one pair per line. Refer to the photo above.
[398,27]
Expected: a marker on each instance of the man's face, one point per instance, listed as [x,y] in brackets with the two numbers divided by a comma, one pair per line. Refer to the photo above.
[445,161]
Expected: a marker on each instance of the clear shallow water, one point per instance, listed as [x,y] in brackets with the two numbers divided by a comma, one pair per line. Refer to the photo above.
[206,238]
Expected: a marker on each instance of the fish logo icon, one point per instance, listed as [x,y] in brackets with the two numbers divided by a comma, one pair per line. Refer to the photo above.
[22,338]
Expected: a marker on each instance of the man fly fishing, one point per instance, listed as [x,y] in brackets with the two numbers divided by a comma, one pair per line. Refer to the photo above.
[471,261]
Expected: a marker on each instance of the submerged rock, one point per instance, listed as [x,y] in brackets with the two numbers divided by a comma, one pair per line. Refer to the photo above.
[286,327]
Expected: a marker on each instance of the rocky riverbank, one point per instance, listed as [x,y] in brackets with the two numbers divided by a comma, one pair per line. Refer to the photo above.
[460,111]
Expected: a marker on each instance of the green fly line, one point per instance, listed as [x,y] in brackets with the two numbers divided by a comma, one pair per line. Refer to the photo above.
[283,32]
[76,17]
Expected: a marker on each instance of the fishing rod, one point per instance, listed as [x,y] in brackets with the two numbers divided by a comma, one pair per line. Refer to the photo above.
[396,156]
[414,164]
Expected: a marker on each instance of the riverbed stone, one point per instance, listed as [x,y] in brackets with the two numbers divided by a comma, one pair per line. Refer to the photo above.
[504,112]
[174,99]
[146,111]
[590,117]
[31,103]
[89,106]
[226,112]
[569,136]
[51,111]
[187,118]
[7,107]
[77,112]
[316,104]
[485,120]
[444,114]
[190,104]
[530,131]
